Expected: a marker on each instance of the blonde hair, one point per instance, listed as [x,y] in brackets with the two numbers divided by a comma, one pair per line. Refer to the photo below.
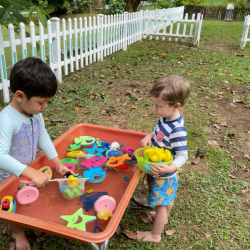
[172,89]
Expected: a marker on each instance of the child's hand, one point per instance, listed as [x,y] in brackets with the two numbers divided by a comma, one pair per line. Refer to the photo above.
[147,140]
[40,179]
[159,170]
[62,170]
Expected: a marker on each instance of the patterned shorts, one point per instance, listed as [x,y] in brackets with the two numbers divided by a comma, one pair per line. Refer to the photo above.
[162,192]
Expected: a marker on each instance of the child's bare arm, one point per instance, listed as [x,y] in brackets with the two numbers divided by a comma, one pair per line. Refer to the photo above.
[38,177]
[147,140]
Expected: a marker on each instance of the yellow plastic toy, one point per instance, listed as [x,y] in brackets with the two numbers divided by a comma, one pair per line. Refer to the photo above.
[72,183]
[157,154]
[75,153]
[104,214]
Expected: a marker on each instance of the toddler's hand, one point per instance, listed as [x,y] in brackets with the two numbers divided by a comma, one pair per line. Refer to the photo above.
[40,178]
[159,170]
[62,170]
[147,140]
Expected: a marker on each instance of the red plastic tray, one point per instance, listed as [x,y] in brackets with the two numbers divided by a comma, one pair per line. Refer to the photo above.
[44,214]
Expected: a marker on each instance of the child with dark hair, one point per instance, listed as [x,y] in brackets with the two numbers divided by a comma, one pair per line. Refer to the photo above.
[168,95]
[22,128]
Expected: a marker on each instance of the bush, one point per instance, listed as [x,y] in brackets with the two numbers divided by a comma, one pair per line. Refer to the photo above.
[164,4]
[116,6]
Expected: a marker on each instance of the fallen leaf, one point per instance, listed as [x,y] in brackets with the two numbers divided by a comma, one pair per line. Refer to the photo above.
[196,161]
[213,114]
[195,135]
[69,100]
[45,118]
[232,176]
[224,124]
[170,232]
[11,246]
[133,107]
[141,200]
[244,191]
[208,235]
[247,156]
[130,234]
[118,230]
[86,112]
[77,108]
[58,121]
[144,217]
[213,143]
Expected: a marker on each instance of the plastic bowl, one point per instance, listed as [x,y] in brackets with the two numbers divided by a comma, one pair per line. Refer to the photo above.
[143,165]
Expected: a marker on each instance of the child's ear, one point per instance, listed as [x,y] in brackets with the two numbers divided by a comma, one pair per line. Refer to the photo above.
[177,106]
[19,95]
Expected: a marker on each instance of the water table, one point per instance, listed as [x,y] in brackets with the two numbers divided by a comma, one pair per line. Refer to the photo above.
[44,214]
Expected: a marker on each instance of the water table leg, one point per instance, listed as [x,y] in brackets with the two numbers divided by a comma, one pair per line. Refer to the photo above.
[95,246]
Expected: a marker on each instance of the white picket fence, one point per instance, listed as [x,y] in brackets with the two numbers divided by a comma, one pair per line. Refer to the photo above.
[244,37]
[88,40]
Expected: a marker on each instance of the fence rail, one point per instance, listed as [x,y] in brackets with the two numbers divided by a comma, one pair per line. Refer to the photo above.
[244,37]
[88,40]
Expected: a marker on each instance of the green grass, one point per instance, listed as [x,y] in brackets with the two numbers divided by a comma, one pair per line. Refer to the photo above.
[211,211]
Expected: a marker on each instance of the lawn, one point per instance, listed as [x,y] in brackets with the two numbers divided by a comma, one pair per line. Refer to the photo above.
[213,202]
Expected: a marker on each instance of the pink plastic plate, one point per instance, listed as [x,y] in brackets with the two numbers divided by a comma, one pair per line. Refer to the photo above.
[105,202]
[27,195]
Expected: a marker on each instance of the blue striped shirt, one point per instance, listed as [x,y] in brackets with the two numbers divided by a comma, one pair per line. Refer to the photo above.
[173,136]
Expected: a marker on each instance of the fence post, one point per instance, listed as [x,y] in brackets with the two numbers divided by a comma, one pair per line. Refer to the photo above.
[196,29]
[125,35]
[56,44]
[100,43]
[33,39]
[6,96]
[245,32]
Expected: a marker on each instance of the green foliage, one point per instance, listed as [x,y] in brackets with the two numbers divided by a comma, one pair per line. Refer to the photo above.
[164,4]
[237,4]
[79,6]
[116,6]
[193,2]
[11,13]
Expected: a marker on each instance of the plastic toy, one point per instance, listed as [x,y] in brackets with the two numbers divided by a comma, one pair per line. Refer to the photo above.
[115,145]
[104,207]
[128,150]
[95,150]
[157,154]
[74,147]
[92,172]
[104,214]
[72,219]
[85,140]
[75,153]
[27,195]
[94,162]
[47,170]
[113,152]
[8,204]
[106,145]
[114,162]
[71,187]
[69,160]
[98,142]
[89,199]
[144,163]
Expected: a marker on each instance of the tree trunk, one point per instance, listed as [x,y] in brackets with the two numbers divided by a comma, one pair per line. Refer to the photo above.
[131,5]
